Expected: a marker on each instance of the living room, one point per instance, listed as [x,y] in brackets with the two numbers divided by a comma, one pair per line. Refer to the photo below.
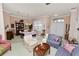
[40,28]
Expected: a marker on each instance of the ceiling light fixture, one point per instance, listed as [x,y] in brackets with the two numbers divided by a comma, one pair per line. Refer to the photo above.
[47,3]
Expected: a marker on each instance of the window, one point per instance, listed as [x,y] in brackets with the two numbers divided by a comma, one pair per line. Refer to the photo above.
[57,27]
[59,20]
[38,25]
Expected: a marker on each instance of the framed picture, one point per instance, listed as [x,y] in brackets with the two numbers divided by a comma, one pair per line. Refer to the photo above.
[6,26]
[12,25]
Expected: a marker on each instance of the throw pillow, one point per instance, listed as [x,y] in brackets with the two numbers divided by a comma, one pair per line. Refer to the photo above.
[57,39]
[69,47]
[3,41]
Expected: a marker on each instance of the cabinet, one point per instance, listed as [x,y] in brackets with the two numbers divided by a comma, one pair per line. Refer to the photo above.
[19,27]
[9,35]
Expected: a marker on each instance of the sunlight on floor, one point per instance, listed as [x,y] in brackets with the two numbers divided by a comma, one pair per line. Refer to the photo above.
[18,49]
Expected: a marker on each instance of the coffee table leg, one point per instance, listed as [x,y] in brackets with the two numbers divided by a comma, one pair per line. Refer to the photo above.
[33,53]
[49,50]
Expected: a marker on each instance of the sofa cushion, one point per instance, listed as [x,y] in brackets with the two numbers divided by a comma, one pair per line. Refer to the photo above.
[2,41]
[6,46]
[62,52]
[30,40]
[54,40]
[1,50]
[54,37]
[54,44]
[76,51]
[69,47]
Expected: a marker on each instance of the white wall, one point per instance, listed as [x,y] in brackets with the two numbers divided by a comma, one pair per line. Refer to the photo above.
[6,21]
[2,29]
[78,26]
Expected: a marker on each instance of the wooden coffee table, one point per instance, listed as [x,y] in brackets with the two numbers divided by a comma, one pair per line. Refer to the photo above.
[41,50]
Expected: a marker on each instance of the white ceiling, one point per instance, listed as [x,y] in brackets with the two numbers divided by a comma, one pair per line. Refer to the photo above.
[39,9]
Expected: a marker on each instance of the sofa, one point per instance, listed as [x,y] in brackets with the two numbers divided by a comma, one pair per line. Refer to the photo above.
[63,52]
[30,42]
[54,40]
[76,51]
[5,45]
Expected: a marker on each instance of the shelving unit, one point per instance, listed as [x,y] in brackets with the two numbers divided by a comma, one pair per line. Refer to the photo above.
[19,27]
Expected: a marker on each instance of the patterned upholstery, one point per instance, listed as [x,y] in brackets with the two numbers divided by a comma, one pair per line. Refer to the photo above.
[76,51]
[62,52]
[4,45]
[53,42]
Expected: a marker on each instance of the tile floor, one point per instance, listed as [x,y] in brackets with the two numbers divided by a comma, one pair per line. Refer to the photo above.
[18,49]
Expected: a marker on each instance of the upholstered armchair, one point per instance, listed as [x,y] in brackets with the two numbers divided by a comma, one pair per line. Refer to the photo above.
[5,45]
[61,51]
[54,40]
